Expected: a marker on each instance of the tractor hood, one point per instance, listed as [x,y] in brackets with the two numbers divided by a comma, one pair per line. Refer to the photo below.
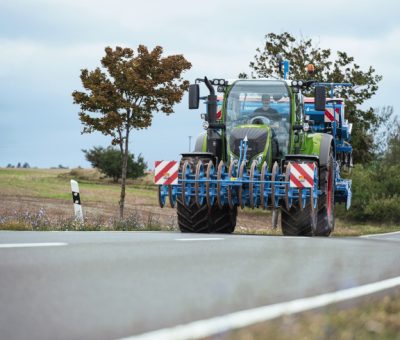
[258,140]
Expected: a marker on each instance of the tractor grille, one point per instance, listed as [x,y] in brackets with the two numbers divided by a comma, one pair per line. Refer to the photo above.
[257,137]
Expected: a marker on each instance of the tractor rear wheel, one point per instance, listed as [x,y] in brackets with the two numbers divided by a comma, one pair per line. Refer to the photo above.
[297,222]
[326,203]
[195,219]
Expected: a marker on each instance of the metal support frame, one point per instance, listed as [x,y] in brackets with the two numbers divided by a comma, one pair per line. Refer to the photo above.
[251,188]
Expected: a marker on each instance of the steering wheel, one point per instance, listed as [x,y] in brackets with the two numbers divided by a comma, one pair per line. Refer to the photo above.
[262,120]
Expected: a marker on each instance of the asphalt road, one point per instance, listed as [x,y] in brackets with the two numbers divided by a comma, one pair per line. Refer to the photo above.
[98,285]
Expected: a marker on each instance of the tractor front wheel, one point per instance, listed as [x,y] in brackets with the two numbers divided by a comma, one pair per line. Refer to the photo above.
[298,219]
[201,219]
[298,222]
[194,219]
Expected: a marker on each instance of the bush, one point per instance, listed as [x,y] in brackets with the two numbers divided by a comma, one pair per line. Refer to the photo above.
[376,194]
[109,162]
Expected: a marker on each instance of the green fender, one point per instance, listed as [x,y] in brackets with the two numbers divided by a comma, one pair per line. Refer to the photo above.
[318,144]
[201,143]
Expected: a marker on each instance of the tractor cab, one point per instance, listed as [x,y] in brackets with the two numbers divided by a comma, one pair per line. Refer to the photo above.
[260,111]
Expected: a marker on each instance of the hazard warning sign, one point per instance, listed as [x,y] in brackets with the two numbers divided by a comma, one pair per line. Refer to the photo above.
[166,172]
[329,116]
[302,175]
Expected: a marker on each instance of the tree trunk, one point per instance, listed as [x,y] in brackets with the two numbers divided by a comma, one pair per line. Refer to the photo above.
[123,175]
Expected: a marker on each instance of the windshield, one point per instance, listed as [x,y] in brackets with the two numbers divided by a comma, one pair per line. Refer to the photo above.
[260,102]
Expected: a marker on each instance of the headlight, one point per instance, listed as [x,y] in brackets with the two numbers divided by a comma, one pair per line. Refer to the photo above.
[259,158]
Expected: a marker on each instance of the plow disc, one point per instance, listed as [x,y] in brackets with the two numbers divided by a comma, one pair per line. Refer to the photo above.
[222,197]
[199,186]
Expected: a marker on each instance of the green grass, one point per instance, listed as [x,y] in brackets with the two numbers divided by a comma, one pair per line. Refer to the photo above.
[103,194]
[372,318]
[348,229]
[40,199]
[55,184]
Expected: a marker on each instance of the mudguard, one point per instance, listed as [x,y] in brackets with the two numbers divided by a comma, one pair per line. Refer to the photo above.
[201,143]
[324,148]
[318,144]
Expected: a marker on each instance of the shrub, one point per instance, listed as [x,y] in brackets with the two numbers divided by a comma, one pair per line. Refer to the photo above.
[376,194]
[109,162]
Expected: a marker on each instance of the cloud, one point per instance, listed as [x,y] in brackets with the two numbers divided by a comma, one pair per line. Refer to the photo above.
[45,43]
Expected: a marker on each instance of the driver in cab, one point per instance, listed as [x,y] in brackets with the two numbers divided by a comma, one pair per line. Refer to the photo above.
[265,109]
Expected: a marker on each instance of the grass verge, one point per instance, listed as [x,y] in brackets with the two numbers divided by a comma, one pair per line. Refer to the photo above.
[41,221]
[27,194]
[374,317]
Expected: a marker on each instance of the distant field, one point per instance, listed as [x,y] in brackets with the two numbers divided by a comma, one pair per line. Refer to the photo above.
[29,191]
[25,193]
[41,199]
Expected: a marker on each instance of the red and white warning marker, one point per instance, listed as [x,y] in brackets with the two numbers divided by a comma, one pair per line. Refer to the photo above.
[166,172]
[302,175]
[329,115]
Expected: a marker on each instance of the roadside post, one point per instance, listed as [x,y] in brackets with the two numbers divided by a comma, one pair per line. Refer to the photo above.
[77,200]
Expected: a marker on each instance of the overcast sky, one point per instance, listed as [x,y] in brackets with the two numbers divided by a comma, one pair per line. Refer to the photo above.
[45,43]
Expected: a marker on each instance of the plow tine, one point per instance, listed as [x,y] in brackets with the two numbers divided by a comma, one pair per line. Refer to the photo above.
[172,196]
[314,190]
[301,199]
[274,174]
[312,199]
[198,186]
[161,197]
[275,214]
[263,200]
[185,173]
[221,170]
[240,192]
[288,200]
[251,184]
[209,194]
[232,173]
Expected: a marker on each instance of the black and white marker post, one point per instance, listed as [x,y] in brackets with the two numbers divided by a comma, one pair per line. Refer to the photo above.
[77,200]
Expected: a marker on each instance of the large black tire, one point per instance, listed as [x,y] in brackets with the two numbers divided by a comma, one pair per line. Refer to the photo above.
[326,203]
[297,222]
[194,219]
[223,220]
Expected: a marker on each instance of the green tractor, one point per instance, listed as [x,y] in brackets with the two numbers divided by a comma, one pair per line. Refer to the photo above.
[265,146]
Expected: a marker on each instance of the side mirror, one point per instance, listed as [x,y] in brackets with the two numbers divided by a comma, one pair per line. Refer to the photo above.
[320,98]
[194,96]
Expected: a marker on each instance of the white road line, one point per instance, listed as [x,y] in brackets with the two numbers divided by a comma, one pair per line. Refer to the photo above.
[200,239]
[382,234]
[216,325]
[27,245]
